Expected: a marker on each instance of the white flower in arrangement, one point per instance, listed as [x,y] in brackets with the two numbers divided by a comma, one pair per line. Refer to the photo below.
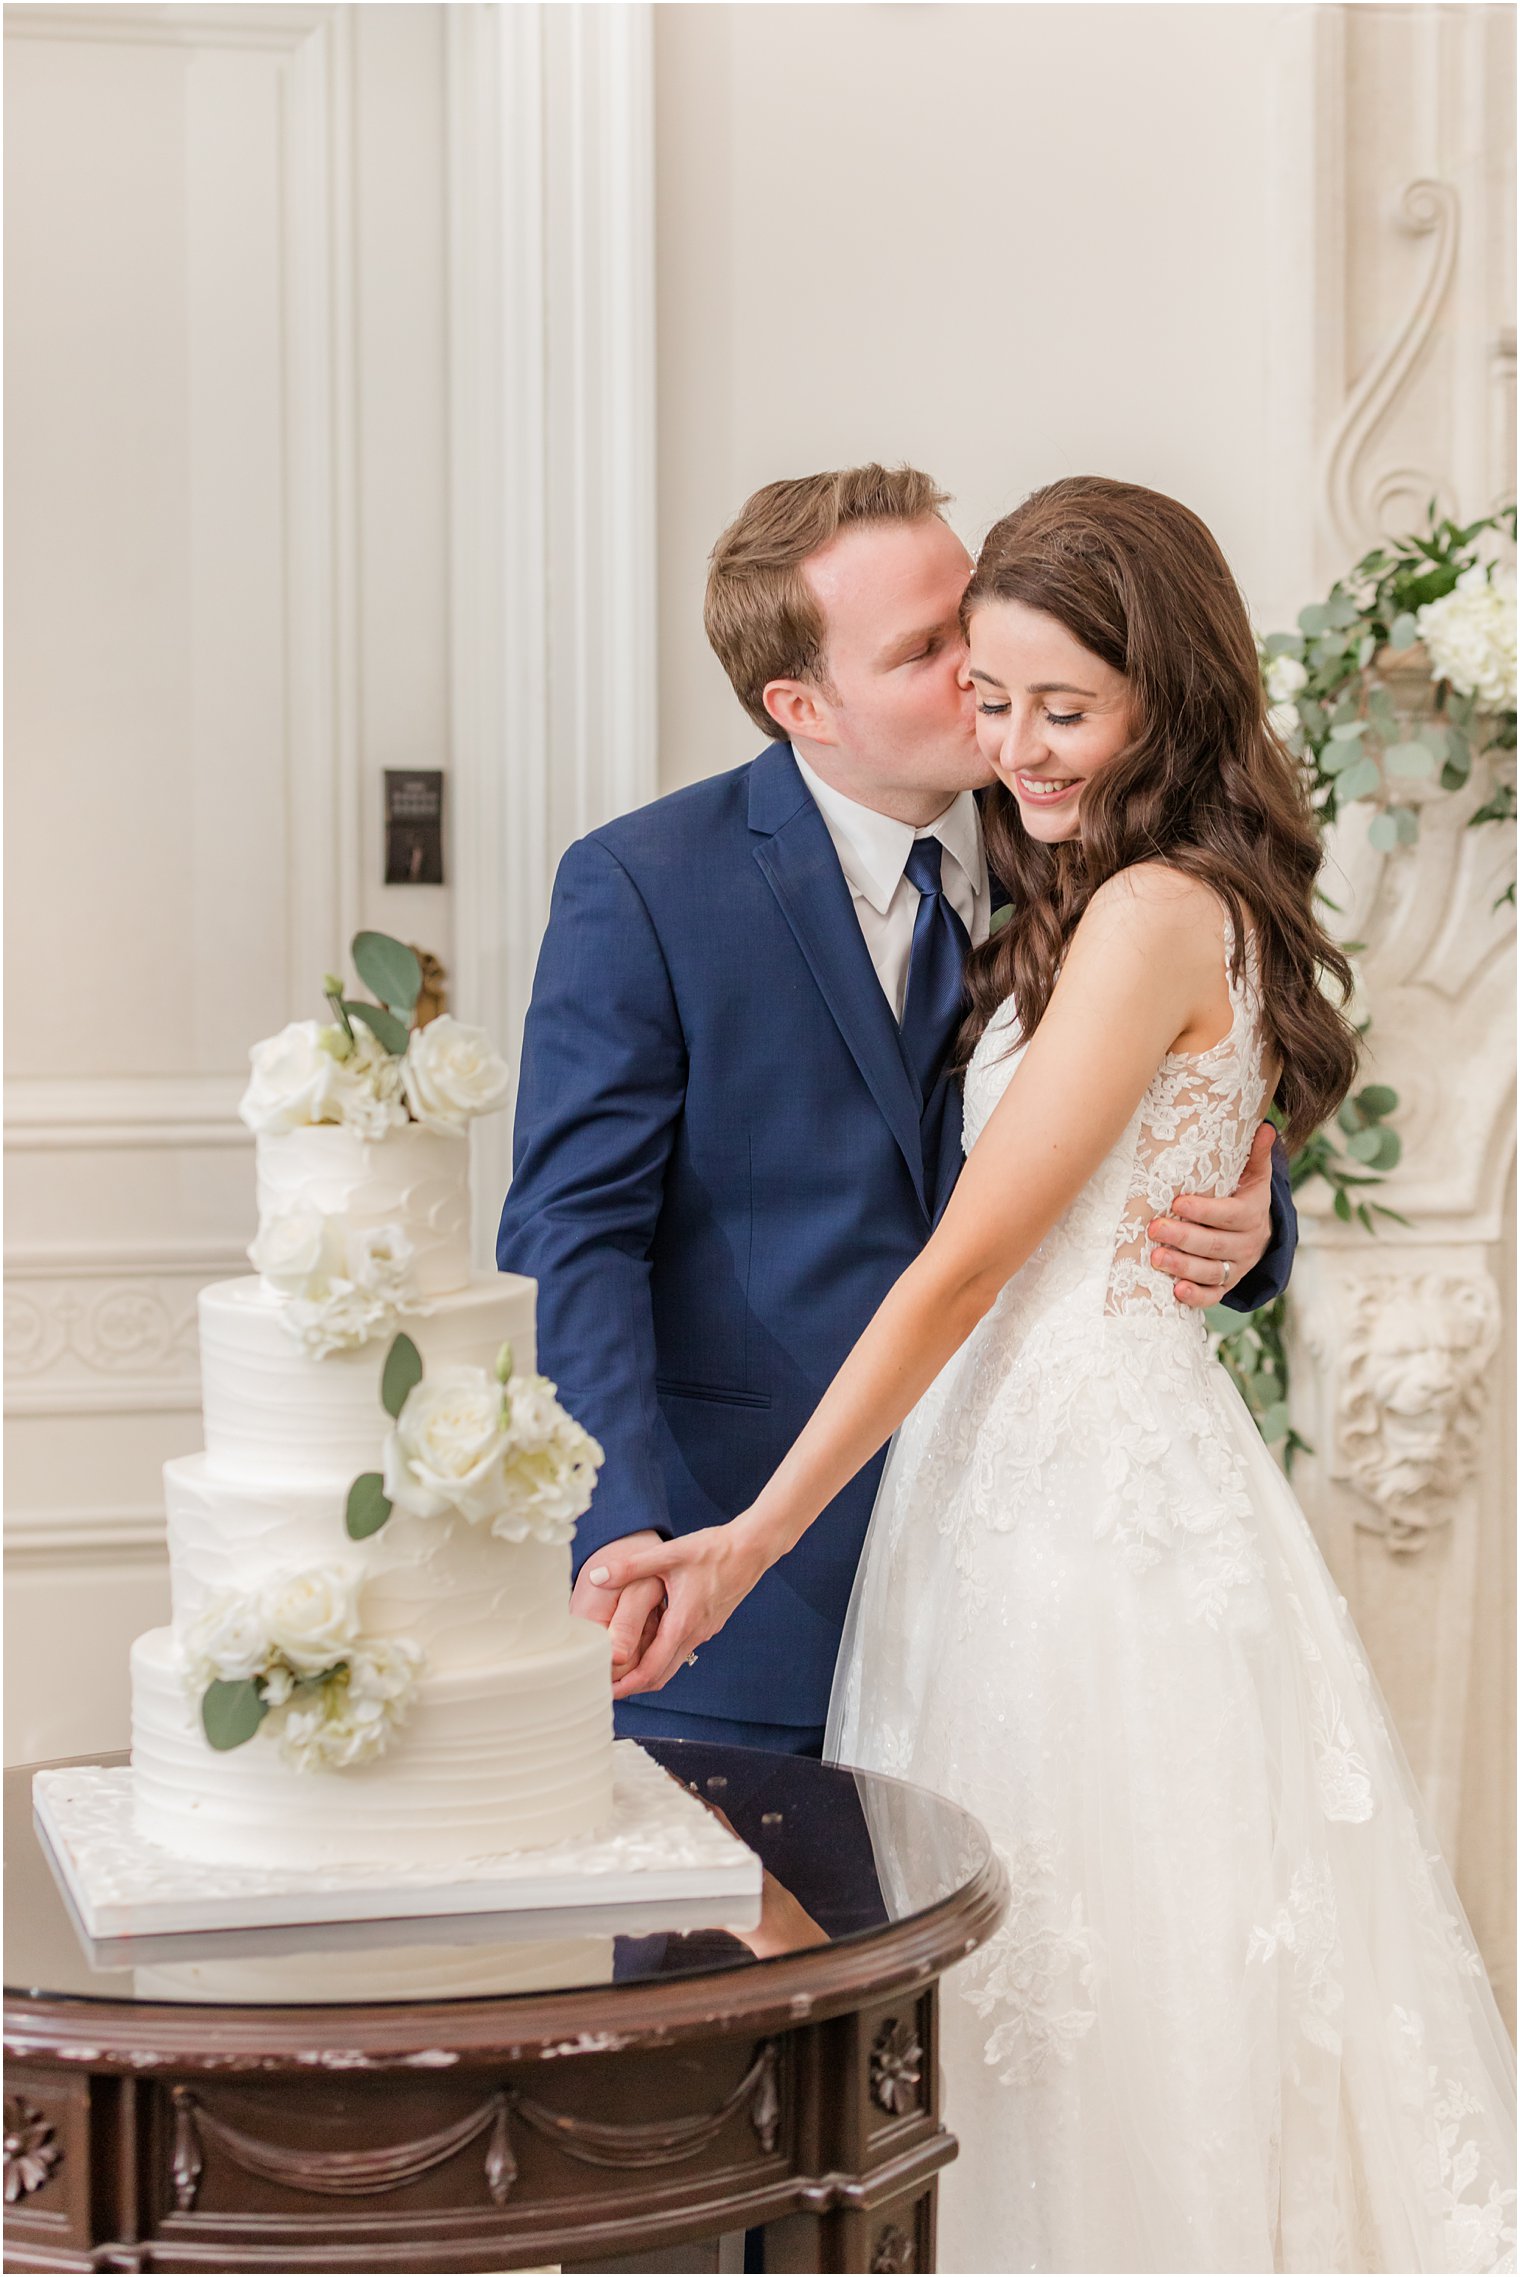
[551,1468]
[312,1617]
[342,1285]
[292,1251]
[1285,677]
[1284,721]
[1469,636]
[447,1449]
[451,1073]
[227,1642]
[366,1090]
[351,1719]
[510,1458]
[293,1080]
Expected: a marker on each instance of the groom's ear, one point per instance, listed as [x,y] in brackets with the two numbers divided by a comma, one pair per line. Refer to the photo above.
[799,710]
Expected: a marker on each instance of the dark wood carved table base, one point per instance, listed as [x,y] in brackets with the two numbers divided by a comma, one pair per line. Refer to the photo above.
[795,2090]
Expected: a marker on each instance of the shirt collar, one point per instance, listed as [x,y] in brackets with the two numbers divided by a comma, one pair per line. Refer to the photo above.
[873,848]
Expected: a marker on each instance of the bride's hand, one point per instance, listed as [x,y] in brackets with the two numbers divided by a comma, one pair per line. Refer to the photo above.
[706,1575]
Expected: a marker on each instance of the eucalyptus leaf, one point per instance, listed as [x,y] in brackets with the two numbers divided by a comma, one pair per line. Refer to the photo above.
[1000,918]
[1377,1147]
[1409,759]
[1351,1115]
[1335,756]
[1455,774]
[1348,730]
[1343,612]
[1366,650]
[368,1507]
[1360,781]
[1377,1100]
[1313,619]
[393,1033]
[231,1712]
[1407,823]
[389,968]
[1383,833]
[402,1372]
[1273,1422]
[1341,1207]
[1284,644]
[1403,632]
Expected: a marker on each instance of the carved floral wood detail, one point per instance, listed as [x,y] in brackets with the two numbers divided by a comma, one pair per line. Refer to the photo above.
[31,2154]
[893,2250]
[364,2173]
[897,2060]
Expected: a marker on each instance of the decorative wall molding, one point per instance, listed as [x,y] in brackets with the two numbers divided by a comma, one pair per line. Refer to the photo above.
[552,417]
[63,1537]
[44,1113]
[1360,495]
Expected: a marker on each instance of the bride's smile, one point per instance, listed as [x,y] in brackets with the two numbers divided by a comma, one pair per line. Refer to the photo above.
[1049,713]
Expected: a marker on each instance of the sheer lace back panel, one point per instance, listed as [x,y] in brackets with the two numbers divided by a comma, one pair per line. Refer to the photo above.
[1191,1134]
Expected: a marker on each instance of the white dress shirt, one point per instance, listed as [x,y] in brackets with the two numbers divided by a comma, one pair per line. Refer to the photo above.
[873,852]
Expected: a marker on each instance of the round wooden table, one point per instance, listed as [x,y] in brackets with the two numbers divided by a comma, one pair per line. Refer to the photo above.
[265,2100]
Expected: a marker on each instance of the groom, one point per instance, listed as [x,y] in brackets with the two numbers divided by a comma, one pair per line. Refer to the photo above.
[734,1126]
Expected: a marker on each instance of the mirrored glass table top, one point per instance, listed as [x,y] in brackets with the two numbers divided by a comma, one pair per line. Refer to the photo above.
[846,1855]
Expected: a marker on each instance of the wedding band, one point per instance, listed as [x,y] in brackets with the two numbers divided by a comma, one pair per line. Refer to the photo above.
[1224,1272]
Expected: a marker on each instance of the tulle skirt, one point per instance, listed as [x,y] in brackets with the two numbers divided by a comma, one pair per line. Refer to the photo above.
[1235,2019]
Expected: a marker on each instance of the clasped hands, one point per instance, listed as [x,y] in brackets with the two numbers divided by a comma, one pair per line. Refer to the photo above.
[659,1600]
[665,1598]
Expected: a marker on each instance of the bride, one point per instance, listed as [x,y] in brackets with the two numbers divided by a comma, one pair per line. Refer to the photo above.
[1235,2019]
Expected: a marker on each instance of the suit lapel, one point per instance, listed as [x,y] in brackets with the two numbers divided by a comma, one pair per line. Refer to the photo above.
[797,859]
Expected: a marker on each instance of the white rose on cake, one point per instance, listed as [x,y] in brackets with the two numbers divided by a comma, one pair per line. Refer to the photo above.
[293,1251]
[551,1466]
[447,1450]
[292,1082]
[451,1073]
[311,1617]
[229,1641]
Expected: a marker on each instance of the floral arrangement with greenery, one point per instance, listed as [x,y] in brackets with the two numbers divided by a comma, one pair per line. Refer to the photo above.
[1446,592]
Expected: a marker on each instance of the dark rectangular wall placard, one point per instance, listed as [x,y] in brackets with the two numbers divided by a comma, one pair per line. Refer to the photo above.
[414,826]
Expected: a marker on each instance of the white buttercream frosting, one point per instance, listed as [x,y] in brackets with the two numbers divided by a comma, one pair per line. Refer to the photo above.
[505,1757]
[466,1597]
[272,1411]
[414,1178]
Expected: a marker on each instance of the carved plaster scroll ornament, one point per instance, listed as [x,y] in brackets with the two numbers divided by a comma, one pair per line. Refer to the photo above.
[1412,1397]
[1360,500]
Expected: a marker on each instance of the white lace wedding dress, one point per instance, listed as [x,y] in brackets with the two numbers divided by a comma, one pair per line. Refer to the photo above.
[1235,2019]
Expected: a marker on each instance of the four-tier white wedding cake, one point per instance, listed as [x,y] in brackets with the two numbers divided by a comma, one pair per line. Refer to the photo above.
[371,1657]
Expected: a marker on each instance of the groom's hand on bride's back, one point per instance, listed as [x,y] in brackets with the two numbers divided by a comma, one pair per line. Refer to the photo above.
[1210,1242]
[629,1615]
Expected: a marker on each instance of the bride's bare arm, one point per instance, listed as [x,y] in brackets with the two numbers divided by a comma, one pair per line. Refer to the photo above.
[1143,970]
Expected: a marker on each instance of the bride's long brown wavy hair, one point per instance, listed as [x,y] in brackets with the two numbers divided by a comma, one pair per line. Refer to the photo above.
[1203,784]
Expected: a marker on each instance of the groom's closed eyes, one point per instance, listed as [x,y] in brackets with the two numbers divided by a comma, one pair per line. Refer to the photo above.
[918,647]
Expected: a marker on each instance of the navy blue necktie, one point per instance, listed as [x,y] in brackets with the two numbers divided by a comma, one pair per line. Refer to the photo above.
[936,994]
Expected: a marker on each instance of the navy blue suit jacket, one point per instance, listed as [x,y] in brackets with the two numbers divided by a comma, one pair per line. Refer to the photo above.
[718,1173]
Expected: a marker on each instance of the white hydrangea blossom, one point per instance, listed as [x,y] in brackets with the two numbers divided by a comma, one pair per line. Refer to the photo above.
[551,1468]
[1285,677]
[351,1718]
[1469,636]
[340,1286]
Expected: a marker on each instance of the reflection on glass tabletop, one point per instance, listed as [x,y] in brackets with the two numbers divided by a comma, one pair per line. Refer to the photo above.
[845,1853]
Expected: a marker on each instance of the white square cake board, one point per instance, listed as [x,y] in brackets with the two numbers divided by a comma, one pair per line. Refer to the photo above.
[661,1848]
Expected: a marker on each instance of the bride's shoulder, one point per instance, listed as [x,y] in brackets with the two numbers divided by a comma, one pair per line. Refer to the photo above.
[1153,901]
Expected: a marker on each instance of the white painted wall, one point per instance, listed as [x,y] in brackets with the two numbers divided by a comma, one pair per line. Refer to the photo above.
[1003,243]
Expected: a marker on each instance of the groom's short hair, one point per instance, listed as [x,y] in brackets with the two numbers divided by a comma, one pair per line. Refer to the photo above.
[761,615]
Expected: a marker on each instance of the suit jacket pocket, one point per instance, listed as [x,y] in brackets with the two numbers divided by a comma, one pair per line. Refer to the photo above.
[712,1394]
